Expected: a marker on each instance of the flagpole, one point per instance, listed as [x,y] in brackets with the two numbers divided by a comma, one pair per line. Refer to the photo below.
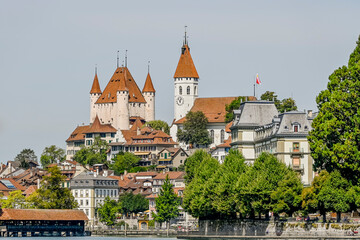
[255,87]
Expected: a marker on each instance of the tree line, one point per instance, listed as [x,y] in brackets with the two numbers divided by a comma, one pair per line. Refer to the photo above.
[235,189]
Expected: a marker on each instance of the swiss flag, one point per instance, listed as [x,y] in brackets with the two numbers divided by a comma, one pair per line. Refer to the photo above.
[258,79]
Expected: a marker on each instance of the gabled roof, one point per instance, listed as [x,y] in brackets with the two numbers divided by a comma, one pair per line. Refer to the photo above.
[186,67]
[6,182]
[78,134]
[148,86]
[226,143]
[95,86]
[227,127]
[43,214]
[172,175]
[213,108]
[97,127]
[121,80]
[137,124]
[30,190]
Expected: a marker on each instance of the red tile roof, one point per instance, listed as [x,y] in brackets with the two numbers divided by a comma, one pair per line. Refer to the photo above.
[30,190]
[148,86]
[121,80]
[146,174]
[97,127]
[137,124]
[213,108]
[78,134]
[43,214]
[186,67]
[172,175]
[227,127]
[226,143]
[17,186]
[95,86]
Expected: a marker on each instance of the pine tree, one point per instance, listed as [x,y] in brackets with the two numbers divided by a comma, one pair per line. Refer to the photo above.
[167,203]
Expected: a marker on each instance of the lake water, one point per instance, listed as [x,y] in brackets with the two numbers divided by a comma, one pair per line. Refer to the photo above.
[93,238]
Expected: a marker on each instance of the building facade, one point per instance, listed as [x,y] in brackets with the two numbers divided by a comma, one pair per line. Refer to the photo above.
[258,127]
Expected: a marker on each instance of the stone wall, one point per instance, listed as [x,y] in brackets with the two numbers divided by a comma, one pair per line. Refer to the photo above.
[271,228]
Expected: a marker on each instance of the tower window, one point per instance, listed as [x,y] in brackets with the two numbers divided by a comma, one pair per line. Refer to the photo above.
[212,136]
[188,90]
[180,90]
[195,90]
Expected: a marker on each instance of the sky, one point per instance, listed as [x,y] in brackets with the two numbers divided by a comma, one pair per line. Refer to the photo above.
[49,49]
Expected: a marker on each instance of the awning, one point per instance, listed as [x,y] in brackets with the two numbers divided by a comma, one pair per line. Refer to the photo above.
[141,153]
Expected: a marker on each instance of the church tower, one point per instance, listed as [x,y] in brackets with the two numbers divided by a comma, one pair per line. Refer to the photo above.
[186,81]
[149,95]
[95,93]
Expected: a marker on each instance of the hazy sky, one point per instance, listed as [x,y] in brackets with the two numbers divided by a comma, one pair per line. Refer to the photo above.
[48,51]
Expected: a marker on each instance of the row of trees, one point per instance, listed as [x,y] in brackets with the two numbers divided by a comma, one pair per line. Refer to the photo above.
[51,154]
[234,189]
[49,196]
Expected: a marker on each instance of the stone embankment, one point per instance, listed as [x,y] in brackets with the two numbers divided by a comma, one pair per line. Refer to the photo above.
[116,232]
[240,229]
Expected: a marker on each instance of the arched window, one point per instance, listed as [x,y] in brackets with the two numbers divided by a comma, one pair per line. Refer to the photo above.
[195,90]
[212,136]
[222,135]
[188,90]
[180,90]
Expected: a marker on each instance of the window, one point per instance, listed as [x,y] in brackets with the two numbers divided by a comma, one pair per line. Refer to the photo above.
[188,90]
[222,135]
[296,128]
[89,135]
[87,202]
[81,202]
[296,147]
[195,90]
[212,136]
[102,135]
[296,162]
[180,90]
[112,135]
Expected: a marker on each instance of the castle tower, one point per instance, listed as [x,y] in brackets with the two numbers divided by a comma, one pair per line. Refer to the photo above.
[95,93]
[149,95]
[122,94]
[186,81]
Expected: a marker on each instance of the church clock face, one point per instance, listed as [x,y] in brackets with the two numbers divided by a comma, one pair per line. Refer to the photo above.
[179,100]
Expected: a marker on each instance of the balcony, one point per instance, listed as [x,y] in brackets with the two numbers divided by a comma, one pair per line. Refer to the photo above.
[298,168]
[296,152]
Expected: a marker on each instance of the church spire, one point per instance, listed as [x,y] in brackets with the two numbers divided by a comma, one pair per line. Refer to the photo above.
[95,86]
[185,67]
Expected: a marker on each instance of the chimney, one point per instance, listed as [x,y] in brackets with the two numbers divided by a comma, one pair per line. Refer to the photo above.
[310,114]
[122,177]
[38,183]
[138,132]
[105,173]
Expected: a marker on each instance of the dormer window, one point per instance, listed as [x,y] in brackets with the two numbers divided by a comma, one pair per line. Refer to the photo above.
[296,128]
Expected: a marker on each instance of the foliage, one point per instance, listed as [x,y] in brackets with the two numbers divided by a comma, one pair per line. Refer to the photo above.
[14,200]
[108,210]
[93,154]
[334,139]
[52,154]
[159,125]
[287,197]
[193,162]
[235,104]
[285,105]
[131,203]
[124,161]
[181,168]
[51,195]
[167,203]
[25,156]
[194,132]
[199,192]
[138,169]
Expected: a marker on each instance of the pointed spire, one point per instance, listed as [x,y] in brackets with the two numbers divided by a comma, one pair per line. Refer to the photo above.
[148,86]
[95,86]
[185,67]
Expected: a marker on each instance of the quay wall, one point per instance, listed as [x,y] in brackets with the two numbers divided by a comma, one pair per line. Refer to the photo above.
[274,228]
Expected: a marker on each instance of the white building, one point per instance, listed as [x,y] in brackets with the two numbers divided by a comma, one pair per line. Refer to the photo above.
[258,127]
[90,190]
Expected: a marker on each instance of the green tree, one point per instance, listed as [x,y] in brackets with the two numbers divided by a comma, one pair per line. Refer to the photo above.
[285,105]
[14,200]
[235,104]
[51,195]
[193,162]
[159,125]
[25,156]
[287,196]
[335,137]
[124,161]
[51,155]
[199,193]
[131,203]
[167,203]
[93,154]
[108,210]
[194,132]
[223,180]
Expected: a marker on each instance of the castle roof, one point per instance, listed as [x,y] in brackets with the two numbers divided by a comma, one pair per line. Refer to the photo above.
[186,67]
[97,127]
[148,86]
[213,108]
[95,86]
[121,80]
